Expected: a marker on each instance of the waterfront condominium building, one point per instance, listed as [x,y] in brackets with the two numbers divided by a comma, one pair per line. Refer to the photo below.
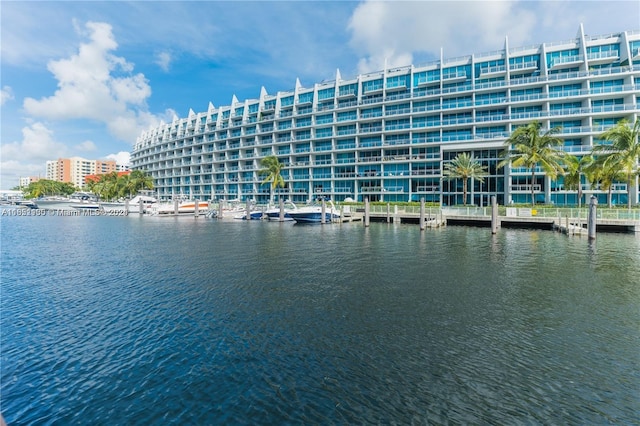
[74,169]
[387,135]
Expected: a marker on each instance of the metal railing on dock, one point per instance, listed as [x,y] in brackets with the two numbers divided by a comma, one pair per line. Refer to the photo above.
[565,217]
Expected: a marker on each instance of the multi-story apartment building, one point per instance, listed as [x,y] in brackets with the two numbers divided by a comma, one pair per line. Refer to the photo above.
[75,169]
[386,135]
[25,181]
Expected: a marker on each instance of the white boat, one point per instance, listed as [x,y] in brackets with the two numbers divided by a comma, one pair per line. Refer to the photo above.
[86,206]
[77,200]
[132,205]
[183,207]
[313,213]
[253,215]
[230,209]
[274,213]
[25,204]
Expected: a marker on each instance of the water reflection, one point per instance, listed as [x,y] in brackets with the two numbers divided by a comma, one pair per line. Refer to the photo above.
[268,323]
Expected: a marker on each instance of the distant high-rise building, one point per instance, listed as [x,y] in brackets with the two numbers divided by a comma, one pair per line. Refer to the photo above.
[75,169]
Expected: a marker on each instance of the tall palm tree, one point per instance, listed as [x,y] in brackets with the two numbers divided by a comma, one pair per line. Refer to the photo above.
[109,186]
[124,186]
[49,187]
[529,147]
[271,170]
[138,180]
[623,152]
[576,167]
[92,185]
[464,167]
[604,172]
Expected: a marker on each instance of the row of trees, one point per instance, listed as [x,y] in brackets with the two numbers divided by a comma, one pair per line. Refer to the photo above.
[616,158]
[46,187]
[111,186]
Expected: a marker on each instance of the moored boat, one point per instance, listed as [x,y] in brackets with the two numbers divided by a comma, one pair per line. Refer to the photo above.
[132,205]
[25,203]
[313,213]
[182,207]
[253,215]
[73,202]
[86,206]
[274,213]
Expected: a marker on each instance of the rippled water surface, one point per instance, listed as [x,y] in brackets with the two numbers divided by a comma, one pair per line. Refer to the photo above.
[177,320]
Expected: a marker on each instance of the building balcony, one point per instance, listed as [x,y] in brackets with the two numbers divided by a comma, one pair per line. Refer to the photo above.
[566,62]
[597,58]
[493,71]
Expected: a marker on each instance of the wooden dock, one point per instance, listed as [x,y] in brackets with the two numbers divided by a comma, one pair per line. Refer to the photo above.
[444,217]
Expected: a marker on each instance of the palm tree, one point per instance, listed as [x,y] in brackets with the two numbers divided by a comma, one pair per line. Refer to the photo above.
[464,167]
[623,153]
[49,187]
[109,186]
[271,170]
[576,167]
[139,180]
[93,185]
[528,147]
[603,172]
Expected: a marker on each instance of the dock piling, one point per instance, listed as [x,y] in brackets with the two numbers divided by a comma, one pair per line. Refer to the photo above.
[281,215]
[494,215]
[422,221]
[366,212]
[591,222]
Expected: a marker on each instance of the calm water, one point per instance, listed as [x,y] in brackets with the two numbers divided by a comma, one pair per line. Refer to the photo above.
[176,320]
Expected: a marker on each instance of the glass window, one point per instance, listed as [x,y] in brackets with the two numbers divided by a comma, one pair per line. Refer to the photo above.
[371,85]
[397,81]
[425,77]
[348,90]
[304,98]
[326,93]
[286,101]
[323,119]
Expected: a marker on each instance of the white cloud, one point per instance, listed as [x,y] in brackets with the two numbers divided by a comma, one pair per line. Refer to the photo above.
[6,94]
[12,171]
[95,84]
[37,144]
[396,30]
[87,146]
[163,60]
[402,31]
[121,158]
[28,156]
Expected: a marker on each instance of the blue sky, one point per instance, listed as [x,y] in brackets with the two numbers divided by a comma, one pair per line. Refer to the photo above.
[85,78]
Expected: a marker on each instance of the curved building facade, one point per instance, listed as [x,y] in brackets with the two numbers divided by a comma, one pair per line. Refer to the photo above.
[386,135]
